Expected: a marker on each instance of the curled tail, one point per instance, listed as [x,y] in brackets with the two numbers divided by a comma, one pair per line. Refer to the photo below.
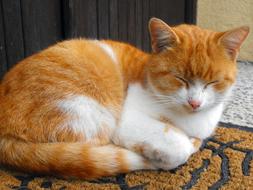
[69,159]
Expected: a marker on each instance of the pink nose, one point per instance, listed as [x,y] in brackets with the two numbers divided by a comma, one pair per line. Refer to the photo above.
[194,103]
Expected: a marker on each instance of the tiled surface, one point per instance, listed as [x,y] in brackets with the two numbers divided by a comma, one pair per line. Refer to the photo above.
[239,109]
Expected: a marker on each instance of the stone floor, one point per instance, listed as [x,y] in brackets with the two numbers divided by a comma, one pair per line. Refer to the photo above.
[239,109]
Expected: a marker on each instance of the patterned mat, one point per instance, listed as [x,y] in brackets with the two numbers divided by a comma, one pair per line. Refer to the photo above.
[225,161]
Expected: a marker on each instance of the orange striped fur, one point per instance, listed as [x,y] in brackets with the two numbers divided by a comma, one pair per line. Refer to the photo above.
[30,139]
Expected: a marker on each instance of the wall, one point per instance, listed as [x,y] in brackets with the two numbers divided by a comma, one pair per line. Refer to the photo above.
[226,14]
[29,26]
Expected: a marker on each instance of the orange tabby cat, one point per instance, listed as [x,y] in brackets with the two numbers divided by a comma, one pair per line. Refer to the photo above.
[90,108]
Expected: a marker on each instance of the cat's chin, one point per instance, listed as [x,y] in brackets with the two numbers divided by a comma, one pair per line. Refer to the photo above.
[199,110]
[186,110]
[194,111]
[190,110]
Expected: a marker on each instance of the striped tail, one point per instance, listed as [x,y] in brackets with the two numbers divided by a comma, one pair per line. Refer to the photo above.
[69,159]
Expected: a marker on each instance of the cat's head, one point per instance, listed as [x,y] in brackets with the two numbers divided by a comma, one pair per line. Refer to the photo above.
[192,69]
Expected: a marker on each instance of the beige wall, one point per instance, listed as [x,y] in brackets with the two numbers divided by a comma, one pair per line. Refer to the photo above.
[222,15]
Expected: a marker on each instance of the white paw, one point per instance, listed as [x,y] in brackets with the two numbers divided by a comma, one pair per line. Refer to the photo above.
[170,151]
[167,157]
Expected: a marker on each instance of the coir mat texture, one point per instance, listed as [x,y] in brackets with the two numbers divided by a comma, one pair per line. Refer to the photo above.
[225,161]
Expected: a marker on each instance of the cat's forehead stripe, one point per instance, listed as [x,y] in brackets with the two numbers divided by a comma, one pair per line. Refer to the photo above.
[194,34]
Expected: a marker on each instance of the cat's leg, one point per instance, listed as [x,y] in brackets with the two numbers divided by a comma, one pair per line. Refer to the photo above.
[181,147]
[92,124]
[195,141]
[166,146]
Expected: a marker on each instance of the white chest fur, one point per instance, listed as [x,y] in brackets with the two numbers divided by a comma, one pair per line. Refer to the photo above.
[139,127]
[200,124]
[86,116]
[140,99]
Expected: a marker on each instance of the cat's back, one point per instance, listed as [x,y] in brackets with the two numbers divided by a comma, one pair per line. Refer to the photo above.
[66,56]
[70,65]
[74,68]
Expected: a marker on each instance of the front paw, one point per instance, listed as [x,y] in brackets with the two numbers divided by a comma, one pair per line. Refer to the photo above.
[171,150]
[168,156]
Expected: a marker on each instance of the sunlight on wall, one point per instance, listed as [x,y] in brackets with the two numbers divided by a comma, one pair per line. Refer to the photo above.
[223,15]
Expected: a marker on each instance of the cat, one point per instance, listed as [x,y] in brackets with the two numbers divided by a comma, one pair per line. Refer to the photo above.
[89,108]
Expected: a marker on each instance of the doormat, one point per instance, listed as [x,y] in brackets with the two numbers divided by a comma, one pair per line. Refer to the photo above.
[225,161]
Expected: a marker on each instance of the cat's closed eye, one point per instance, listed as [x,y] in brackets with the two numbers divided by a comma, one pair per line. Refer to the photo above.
[210,83]
[181,79]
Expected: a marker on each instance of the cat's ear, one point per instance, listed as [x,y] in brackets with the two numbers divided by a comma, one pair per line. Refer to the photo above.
[233,39]
[162,36]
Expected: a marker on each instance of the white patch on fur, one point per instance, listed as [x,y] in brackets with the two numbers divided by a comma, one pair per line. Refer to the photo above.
[200,124]
[135,120]
[87,115]
[108,49]
[141,100]
[196,92]
[139,127]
